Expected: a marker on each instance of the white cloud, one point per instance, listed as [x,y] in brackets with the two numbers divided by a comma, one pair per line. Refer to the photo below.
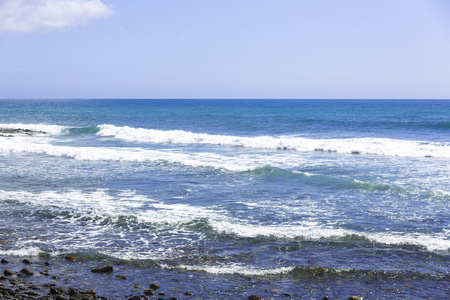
[38,15]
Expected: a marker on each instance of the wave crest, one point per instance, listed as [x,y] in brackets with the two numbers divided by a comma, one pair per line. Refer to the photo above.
[372,146]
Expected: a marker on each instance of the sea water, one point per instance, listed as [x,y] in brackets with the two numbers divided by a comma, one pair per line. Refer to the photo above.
[352,192]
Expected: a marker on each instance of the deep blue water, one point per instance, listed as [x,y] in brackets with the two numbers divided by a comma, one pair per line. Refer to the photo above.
[288,189]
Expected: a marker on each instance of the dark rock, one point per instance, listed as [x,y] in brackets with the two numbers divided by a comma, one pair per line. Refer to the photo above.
[57,291]
[70,258]
[72,292]
[59,297]
[172,298]
[188,293]
[27,272]
[122,277]
[4,261]
[135,298]
[107,269]
[82,297]
[20,131]
[47,263]
[254,297]
[27,262]
[355,298]
[325,298]
[33,287]
[154,286]
[149,293]
[9,273]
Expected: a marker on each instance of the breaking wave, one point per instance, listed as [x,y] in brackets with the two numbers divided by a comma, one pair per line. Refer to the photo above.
[367,146]
[130,210]
[373,146]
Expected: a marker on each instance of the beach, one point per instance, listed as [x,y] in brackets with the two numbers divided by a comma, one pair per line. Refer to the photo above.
[224,199]
[72,279]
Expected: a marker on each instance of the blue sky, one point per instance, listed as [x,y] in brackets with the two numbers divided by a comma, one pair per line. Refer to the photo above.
[302,49]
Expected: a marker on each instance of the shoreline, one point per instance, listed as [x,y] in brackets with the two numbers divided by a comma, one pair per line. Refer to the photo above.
[72,278]
[59,278]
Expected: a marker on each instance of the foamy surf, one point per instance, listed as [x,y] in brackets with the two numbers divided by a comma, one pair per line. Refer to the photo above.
[371,146]
[99,209]
[234,269]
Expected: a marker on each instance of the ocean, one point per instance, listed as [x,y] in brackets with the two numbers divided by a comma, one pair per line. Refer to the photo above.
[299,198]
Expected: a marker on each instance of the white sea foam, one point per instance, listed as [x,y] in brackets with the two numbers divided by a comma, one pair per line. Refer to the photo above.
[100,204]
[373,146]
[438,242]
[201,159]
[26,251]
[234,269]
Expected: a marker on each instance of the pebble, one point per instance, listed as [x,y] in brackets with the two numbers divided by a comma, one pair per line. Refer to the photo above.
[27,272]
[9,273]
[154,286]
[107,269]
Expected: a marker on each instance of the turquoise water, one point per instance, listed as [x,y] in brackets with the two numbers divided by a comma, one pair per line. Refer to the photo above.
[347,191]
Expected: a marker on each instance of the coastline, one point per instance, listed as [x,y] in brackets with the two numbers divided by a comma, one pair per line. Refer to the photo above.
[243,222]
[72,278]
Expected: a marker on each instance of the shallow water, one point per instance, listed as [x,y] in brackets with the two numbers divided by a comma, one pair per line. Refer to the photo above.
[342,195]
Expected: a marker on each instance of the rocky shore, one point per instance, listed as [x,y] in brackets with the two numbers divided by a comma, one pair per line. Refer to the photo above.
[10,132]
[27,280]
[66,278]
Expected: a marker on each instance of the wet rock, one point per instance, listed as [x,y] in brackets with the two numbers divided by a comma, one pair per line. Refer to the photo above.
[154,286]
[72,292]
[325,298]
[149,293]
[4,261]
[70,258]
[82,297]
[9,273]
[57,291]
[27,262]
[18,131]
[27,272]
[188,293]
[254,297]
[60,297]
[107,269]
[355,298]
[135,298]
[122,277]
